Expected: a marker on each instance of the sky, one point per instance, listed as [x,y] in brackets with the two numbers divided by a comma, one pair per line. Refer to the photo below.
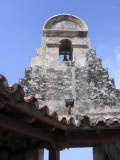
[74,154]
[21,23]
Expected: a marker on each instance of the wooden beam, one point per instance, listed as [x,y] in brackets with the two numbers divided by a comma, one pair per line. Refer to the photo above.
[34,146]
[54,155]
[1,105]
[82,144]
[92,137]
[24,128]
[24,109]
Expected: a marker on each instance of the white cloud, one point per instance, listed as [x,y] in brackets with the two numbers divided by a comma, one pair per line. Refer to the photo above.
[112,62]
[106,63]
[117,54]
[118,57]
[117,66]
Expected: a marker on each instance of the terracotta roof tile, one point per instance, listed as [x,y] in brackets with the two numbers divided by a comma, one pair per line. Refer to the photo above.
[41,106]
[27,98]
[11,85]
[15,93]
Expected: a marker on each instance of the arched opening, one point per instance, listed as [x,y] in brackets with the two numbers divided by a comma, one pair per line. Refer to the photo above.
[65,50]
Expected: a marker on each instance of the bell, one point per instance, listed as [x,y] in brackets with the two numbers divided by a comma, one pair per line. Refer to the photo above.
[65,58]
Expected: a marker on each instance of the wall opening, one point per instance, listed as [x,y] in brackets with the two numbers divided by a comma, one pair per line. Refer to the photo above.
[65,50]
[85,153]
[46,154]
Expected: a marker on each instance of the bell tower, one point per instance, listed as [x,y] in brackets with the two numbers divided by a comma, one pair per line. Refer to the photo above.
[66,75]
[64,39]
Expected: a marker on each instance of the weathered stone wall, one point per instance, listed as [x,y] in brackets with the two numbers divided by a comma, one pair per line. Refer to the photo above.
[107,151]
[94,93]
[48,54]
[82,79]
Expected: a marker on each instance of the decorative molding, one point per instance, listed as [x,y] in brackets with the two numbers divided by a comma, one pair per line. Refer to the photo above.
[79,45]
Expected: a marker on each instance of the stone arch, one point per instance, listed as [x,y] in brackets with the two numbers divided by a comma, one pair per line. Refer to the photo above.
[65,22]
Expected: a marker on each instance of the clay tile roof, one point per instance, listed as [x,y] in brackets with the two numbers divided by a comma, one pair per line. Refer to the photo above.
[27,98]
[11,85]
[14,96]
